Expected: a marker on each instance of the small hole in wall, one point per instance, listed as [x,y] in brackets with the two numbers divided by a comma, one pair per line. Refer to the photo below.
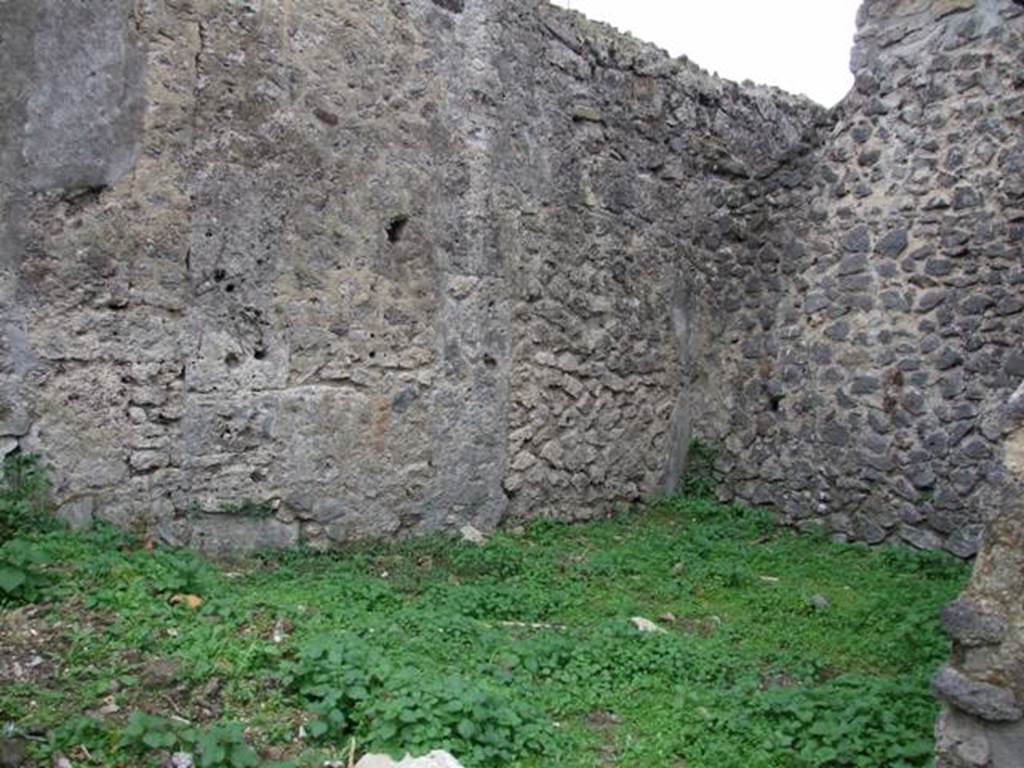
[257,476]
[373,355]
[776,403]
[455,6]
[231,360]
[229,288]
[219,275]
[396,227]
[490,361]
[259,353]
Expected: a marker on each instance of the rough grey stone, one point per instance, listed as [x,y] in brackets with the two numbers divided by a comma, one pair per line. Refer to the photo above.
[921,538]
[455,6]
[853,263]
[965,197]
[938,267]
[976,305]
[864,385]
[471,535]
[818,602]
[78,513]
[969,625]
[869,531]
[989,702]
[930,300]
[975,751]
[892,244]
[223,534]
[835,434]
[948,358]
[858,240]
[1014,365]
[966,738]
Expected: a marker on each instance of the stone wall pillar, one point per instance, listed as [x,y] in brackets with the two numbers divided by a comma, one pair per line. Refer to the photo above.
[982,724]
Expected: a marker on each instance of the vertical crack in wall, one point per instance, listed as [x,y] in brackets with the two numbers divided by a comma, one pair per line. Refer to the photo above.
[197,86]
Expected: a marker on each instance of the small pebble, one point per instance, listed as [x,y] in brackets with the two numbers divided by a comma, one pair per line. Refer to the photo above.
[818,602]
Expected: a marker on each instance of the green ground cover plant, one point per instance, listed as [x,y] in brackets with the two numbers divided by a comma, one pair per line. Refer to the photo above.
[777,649]
[23,509]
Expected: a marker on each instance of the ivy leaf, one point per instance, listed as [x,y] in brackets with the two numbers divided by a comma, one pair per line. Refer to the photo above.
[244,757]
[158,739]
[316,728]
[11,578]
[212,752]
[824,755]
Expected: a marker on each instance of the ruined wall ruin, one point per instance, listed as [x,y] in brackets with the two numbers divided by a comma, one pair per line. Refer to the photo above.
[982,723]
[375,268]
[277,273]
[361,268]
[869,362]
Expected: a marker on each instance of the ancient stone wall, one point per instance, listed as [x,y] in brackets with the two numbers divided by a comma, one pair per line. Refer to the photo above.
[613,277]
[281,273]
[278,273]
[878,327]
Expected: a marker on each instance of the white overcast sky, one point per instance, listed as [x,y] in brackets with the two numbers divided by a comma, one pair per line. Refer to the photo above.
[802,46]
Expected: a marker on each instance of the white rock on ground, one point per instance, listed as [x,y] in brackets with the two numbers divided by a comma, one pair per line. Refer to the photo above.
[436,759]
[645,625]
[472,535]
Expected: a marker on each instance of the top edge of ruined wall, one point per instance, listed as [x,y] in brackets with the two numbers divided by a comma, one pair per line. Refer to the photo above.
[884,25]
[875,12]
[615,48]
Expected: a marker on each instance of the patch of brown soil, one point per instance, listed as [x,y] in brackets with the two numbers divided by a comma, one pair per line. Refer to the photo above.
[30,646]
